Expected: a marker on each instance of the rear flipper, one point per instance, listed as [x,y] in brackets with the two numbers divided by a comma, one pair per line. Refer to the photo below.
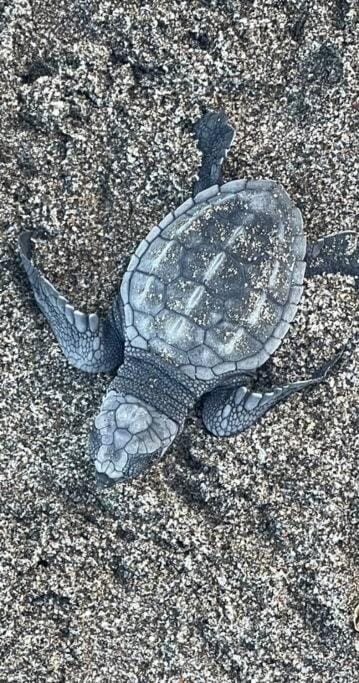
[229,410]
[338,253]
[88,343]
[214,137]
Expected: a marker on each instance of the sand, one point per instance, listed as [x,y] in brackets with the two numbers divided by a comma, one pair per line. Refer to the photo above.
[231,560]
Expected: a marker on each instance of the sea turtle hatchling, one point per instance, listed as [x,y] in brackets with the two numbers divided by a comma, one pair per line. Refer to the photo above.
[207,298]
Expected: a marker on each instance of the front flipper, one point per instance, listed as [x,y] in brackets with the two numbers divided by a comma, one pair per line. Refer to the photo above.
[88,343]
[214,137]
[337,253]
[229,410]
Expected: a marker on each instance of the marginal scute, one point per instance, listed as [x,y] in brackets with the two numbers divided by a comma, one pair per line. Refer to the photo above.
[203,355]
[222,368]
[166,220]
[128,310]
[233,186]
[153,233]
[289,312]
[125,287]
[298,272]
[299,246]
[204,373]
[272,344]
[140,343]
[260,185]
[184,207]
[281,329]
[280,292]
[142,248]
[206,194]
[297,219]
[254,361]
[214,286]
[133,263]
[131,332]
[189,370]
[295,294]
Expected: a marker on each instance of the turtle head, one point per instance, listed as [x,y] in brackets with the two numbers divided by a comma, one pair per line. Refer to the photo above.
[127,436]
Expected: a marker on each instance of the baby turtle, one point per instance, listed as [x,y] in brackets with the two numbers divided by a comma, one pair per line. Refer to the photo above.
[207,297]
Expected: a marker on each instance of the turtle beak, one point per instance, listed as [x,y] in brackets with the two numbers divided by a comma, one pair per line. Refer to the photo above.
[103,481]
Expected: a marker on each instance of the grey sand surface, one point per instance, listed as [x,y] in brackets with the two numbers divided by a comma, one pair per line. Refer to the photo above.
[233,560]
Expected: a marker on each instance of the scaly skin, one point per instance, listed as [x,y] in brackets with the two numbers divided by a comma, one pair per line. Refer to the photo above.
[90,344]
[214,137]
[141,414]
